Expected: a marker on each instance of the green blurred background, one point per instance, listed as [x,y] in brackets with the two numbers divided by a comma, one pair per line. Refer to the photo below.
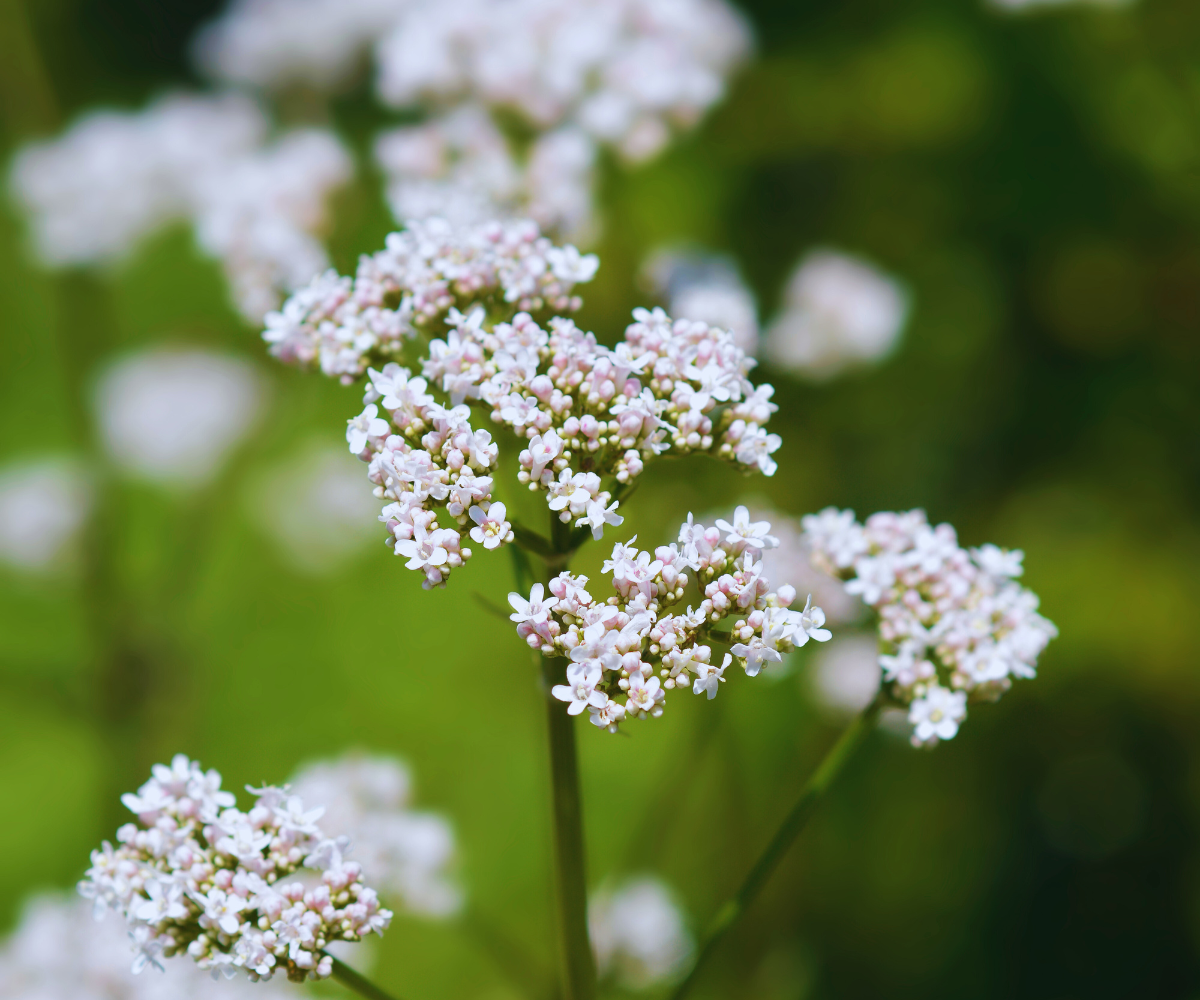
[1035,181]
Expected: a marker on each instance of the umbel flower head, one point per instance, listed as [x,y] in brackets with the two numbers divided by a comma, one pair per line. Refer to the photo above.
[954,624]
[197,876]
[626,653]
[480,301]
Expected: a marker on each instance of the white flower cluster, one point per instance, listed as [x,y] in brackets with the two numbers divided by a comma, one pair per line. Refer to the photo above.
[638,933]
[115,178]
[43,505]
[274,43]
[343,325]
[172,416]
[586,411]
[459,166]
[953,622]
[406,854]
[626,71]
[579,73]
[196,875]
[328,518]
[59,952]
[620,648]
[839,311]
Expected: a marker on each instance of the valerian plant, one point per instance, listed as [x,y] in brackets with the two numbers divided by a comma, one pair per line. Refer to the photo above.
[450,329]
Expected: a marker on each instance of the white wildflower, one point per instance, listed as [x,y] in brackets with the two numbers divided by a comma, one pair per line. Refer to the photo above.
[838,311]
[638,933]
[172,416]
[954,624]
[43,506]
[172,881]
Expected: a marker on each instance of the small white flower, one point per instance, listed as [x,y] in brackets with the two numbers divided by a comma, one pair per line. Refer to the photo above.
[710,678]
[744,532]
[491,530]
[999,562]
[598,516]
[536,609]
[937,715]
[809,625]
[580,690]
[756,653]
[365,426]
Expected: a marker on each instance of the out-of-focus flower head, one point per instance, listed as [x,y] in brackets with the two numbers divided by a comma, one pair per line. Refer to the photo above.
[313,505]
[626,71]
[954,623]
[58,951]
[43,504]
[115,178]
[838,311]
[707,287]
[845,674]
[1017,6]
[639,933]
[172,416]
[274,43]
[195,875]
[405,853]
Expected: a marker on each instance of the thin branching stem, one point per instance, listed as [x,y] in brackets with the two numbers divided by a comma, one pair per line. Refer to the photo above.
[810,797]
[357,982]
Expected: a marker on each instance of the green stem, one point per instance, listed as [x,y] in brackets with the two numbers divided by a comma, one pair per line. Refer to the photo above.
[579,967]
[570,863]
[357,982]
[811,796]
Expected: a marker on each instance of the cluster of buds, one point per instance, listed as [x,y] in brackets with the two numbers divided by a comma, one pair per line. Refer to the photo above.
[632,647]
[589,417]
[197,876]
[954,624]
[343,325]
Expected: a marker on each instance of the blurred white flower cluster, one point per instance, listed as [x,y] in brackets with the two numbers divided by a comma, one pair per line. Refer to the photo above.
[838,311]
[196,875]
[43,505]
[328,517]
[578,73]
[588,413]
[615,646]
[172,415]
[114,178]
[954,623]
[638,933]
[404,853]
[60,952]
[1022,5]
[167,415]
[706,287]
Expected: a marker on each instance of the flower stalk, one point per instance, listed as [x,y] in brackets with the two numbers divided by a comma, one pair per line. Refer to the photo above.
[357,982]
[810,797]
[570,862]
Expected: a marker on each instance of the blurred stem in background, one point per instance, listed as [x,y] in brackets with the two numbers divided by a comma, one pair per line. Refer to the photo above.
[795,821]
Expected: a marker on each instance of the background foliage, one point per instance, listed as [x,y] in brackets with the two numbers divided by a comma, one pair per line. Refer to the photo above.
[1035,182]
